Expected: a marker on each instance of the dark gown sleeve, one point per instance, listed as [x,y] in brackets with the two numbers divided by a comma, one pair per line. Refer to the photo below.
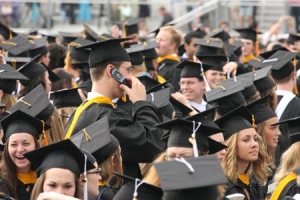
[293,191]
[3,187]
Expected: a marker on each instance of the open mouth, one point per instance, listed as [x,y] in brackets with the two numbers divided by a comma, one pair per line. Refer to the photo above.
[20,157]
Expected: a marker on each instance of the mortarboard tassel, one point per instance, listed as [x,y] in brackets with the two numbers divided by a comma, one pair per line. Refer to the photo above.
[193,139]
[204,78]
[14,63]
[10,33]
[124,99]
[256,45]
[85,187]
[45,139]
[124,29]
[68,57]
[182,160]
[295,89]
[253,122]
[136,186]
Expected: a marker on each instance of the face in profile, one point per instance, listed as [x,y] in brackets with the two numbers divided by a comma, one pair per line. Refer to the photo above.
[61,181]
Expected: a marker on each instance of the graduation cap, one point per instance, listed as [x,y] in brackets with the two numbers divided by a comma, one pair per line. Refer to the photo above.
[17,46]
[149,64]
[105,36]
[256,64]
[33,31]
[190,173]
[283,67]
[86,85]
[228,95]
[32,69]
[219,33]
[209,46]
[149,49]
[260,111]
[248,33]
[50,38]
[268,54]
[98,141]
[180,108]
[159,86]
[107,51]
[68,37]
[203,115]
[21,122]
[8,77]
[40,47]
[215,61]
[129,27]
[84,65]
[17,62]
[192,69]
[235,121]
[135,54]
[6,32]
[144,190]
[90,33]
[156,31]
[36,104]
[2,116]
[63,154]
[292,38]
[180,133]
[262,81]
[148,82]
[247,80]
[52,76]
[66,98]
[75,53]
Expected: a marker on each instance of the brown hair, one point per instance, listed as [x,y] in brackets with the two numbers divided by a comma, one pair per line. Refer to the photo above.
[8,100]
[176,36]
[38,187]
[253,98]
[107,169]
[40,79]
[65,79]
[284,80]
[9,170]
[97,71]
[272,100]
[152,177]
[56,132]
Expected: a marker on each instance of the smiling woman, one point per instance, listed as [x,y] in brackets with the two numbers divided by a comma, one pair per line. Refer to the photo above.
[21,132]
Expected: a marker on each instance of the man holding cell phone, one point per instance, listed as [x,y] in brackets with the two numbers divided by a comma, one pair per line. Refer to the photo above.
[139,139]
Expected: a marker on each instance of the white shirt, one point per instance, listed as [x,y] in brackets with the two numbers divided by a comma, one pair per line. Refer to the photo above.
[92,95]
[199,106]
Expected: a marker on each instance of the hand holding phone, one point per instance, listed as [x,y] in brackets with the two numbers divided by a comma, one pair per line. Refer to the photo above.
[119,77]
[137,92]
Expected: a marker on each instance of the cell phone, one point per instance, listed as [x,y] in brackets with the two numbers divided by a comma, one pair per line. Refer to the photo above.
[119,77]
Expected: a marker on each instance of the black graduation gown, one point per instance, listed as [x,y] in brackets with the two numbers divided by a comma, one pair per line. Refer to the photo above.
[232,188]
[106,193]
[290,189]
[22,193]
[291,110]
[167,69]
[139,139]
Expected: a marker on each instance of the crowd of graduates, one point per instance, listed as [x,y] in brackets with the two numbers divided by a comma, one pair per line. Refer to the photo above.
[176,117]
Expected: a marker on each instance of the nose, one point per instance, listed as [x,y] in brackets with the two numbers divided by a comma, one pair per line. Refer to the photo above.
[254,144]
[278,132]
[20,148]
[223,152]
[59,190]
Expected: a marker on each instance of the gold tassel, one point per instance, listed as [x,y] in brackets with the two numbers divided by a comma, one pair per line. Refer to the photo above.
[295,89]
[124,98]
[45,139]
[10,33]
[124,29]
[256,45]
[253,122]
[14,63]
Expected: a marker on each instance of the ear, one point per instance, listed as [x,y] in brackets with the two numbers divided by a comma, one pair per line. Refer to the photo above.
[203,85]
[107,70]
[112,161]
[185,45]
[81,178]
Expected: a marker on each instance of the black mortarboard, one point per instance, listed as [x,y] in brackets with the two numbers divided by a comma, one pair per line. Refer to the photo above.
[209,46]
[148,82]
[293,129]
[51,38]
[179,107]
[8,77]
[229,49]
[247,80]
[159,98]
[228,94]
[206,114]
[254,63]
[180,132]
[216,62]
[235,121]
[52,76]
[262,81]
[90,33]
[84,65]
[2,116]
[149,49]
[98,141]
[129,27]
[86,85]
[66,98]
[260,111]
[159,86]
[105,36]
[192,69]
[39,48]
[248,33]
[63,154]
[6,32]
[268,54]
[201,172]
[33,31]
[21,122]
[135,54]
[78,54]
[107,51]
[156,31]
[68,37]
[17,62]
[283,67]
[219,33]
[36,104]
[149,64]
[293,37]
[32,69]
[144,191]
[17,46]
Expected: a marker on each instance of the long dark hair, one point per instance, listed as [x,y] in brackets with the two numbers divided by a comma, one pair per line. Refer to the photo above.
[9,170]
[40,79]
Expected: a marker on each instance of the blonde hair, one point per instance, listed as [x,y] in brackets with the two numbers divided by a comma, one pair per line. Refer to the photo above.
[38,187]
[66,111]
[107,169]
[137,69]
[290,160]
[8,100]
[152,177]
[258,168]
[176,36]
[56,132]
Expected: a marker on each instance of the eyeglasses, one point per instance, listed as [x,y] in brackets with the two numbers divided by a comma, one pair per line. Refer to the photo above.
[172,157]
[129,70]
[188,83]
[98,171]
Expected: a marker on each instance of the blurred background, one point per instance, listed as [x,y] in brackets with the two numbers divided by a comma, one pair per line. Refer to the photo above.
[68,15]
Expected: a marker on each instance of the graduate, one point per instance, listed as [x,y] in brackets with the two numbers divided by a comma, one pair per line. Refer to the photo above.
[139,140]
